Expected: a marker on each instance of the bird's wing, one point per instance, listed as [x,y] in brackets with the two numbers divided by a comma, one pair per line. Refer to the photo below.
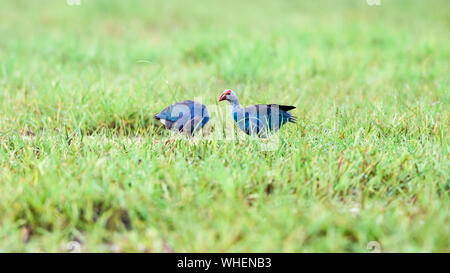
[273,115]
[176,112]
[183,114]
[170,114]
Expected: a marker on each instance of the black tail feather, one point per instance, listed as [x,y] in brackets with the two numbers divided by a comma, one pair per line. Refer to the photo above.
[286,107]
[292,119]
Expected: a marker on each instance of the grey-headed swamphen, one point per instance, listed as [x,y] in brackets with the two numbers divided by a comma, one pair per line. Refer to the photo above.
[258,120]
[186,116]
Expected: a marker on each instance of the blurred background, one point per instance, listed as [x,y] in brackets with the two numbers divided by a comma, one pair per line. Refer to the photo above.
[125,54]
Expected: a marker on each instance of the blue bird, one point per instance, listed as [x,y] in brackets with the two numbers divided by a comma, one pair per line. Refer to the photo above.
[185,116]
[258,120]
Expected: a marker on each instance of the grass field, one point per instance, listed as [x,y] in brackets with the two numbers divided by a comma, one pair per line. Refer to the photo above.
[82,160]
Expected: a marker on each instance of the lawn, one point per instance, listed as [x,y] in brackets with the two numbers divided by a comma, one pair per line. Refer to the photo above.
[83,162]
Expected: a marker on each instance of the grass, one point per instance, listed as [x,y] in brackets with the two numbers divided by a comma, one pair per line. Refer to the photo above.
[81,158]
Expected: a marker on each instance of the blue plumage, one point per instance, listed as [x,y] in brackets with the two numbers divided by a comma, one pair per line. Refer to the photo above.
[258,119]
[185,116]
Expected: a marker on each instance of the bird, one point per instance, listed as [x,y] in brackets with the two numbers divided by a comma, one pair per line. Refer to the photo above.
[260,119]
[186,116]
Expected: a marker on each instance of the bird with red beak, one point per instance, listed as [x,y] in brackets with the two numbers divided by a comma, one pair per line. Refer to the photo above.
[259,119]
[228,95]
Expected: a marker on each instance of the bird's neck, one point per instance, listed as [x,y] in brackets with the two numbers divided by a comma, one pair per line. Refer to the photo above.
[235,106]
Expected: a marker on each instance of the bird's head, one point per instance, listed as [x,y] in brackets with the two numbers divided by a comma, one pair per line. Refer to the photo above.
[228,95]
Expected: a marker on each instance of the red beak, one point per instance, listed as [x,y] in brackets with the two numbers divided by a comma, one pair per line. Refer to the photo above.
[222,97]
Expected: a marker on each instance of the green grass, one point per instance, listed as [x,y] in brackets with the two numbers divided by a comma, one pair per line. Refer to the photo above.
[81,158]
